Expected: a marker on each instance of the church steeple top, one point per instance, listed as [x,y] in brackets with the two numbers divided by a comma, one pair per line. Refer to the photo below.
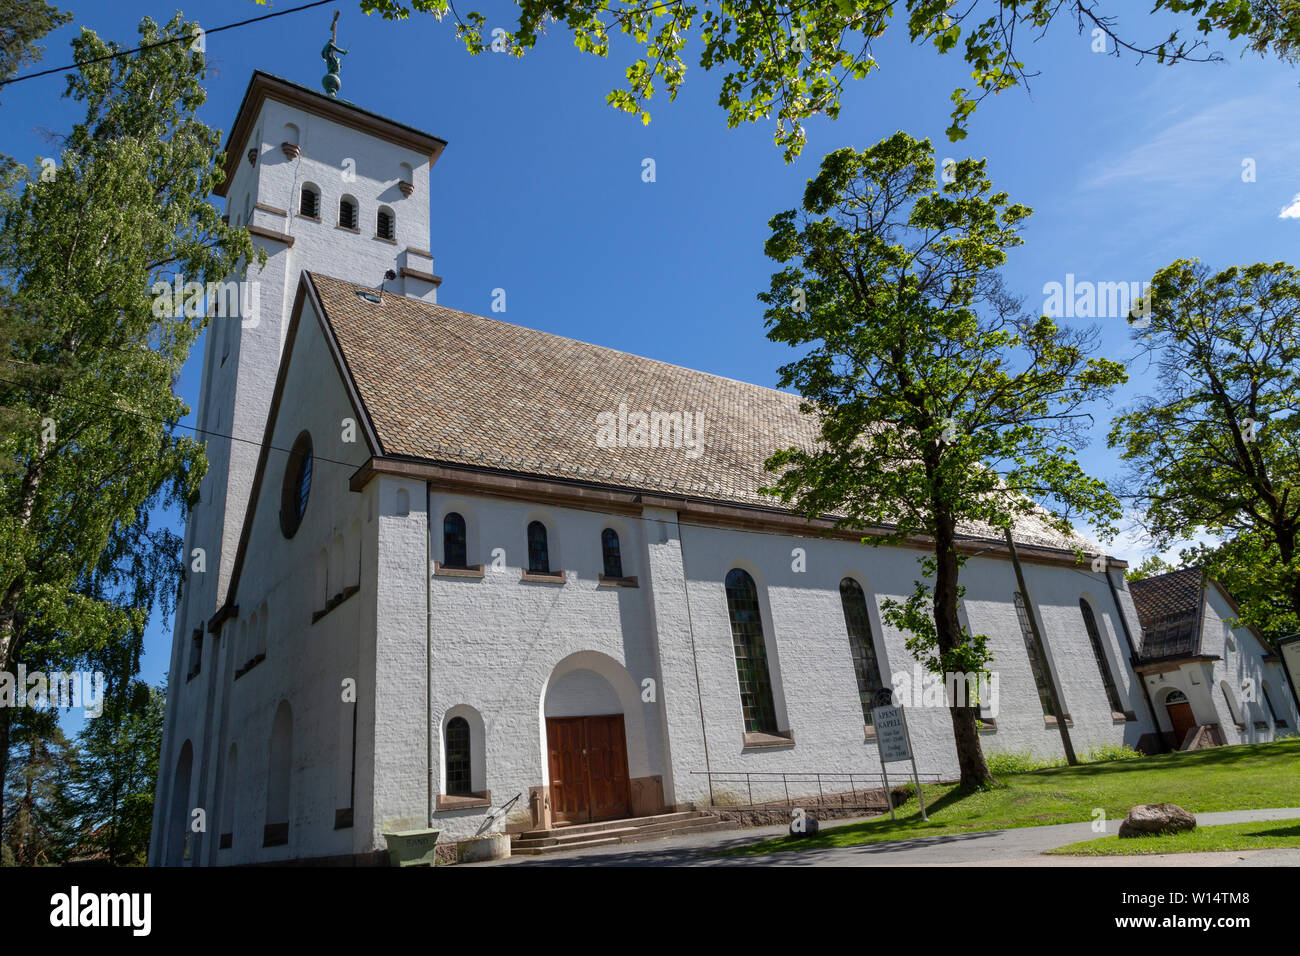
[265,86]
[331,82]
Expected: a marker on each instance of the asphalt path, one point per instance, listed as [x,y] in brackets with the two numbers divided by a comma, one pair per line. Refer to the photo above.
[1024,846]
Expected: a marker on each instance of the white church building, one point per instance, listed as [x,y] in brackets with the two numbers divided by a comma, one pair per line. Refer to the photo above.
[446,567]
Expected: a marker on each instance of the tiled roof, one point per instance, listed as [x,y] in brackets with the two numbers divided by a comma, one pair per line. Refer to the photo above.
[1169,608]
[458,388]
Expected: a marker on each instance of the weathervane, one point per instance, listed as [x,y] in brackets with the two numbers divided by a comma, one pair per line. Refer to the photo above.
[330,54]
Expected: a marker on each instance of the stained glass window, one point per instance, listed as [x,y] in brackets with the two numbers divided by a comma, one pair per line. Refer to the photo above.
[613,559]
[539,559]
[865,665]
[1040,677]
[458,757]
[1090,623]
[756,702]
[453,541]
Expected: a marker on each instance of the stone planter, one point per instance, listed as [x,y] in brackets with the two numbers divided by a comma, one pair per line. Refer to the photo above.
[412,847]
[494,846]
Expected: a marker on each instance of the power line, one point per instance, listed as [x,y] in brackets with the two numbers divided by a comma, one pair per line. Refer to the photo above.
[151,46]
[162,421]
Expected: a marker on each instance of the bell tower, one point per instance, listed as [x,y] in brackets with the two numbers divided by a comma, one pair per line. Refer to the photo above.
[321,185]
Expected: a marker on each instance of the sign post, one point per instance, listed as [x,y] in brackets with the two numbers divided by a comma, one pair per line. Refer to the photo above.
[895,743]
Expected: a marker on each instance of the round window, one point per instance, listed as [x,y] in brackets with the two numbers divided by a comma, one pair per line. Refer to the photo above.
[297,485]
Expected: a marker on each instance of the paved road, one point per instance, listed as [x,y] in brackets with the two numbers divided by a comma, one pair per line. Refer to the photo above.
[1019,847]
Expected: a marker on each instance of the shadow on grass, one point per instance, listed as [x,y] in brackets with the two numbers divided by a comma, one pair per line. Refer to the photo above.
[1292,831]
[1211,757]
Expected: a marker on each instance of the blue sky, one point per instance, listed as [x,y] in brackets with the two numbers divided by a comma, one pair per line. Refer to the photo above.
[1127,166]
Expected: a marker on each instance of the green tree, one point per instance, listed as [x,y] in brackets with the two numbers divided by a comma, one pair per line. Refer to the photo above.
[87,378]
[942,408]
[1249,566]
[1152,567]
[1215,447]
[36,831]
[110,791]
[796,58]
[23,23]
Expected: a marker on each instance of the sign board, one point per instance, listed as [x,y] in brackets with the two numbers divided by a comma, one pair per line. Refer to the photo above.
[891,733]
[895,743]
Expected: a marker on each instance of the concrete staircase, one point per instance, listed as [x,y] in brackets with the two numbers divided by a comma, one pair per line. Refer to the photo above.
[608,832]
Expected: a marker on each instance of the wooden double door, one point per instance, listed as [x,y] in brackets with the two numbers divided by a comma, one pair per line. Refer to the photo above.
[1180,716]
[588,764]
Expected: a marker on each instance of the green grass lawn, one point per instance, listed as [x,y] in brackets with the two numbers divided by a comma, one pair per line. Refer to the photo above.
[1260,835]
[1255,776]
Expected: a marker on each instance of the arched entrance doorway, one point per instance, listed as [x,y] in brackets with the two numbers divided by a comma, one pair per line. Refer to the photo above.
[1180,715]
[586,747]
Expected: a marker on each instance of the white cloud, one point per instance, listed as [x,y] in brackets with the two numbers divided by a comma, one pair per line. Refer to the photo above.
[1292,210]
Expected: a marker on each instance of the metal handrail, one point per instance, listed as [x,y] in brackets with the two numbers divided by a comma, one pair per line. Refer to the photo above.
[784,776]
[496,812]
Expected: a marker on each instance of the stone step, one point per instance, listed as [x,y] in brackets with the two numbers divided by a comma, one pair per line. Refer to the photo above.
[706,826]
[516,850]
[618,824]
[561,838]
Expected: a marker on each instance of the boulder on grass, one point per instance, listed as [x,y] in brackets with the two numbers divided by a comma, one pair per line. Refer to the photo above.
[1156,819]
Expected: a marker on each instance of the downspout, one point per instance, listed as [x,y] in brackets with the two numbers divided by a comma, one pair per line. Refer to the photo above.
[1134,660]
[428,650]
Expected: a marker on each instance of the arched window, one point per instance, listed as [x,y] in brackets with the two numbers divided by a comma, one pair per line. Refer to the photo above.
[309,201]
[1231,701]
[385,224]
[1098,651]
[458,757]
[322,578]
[539,557]
[348,212]
[756,701]
[336,566]
[454,552]
[228,800]
[865,665]
[251,646]
[242,653]
[1035,664]
[278,778]
[297,485]
[260,646]
[352,555]
[613,558]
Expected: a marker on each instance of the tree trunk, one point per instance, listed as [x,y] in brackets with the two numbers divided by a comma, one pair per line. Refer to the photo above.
[4,764]
[970,755]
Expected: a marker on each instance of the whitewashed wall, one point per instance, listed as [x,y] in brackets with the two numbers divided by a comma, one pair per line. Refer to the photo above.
[242,356]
